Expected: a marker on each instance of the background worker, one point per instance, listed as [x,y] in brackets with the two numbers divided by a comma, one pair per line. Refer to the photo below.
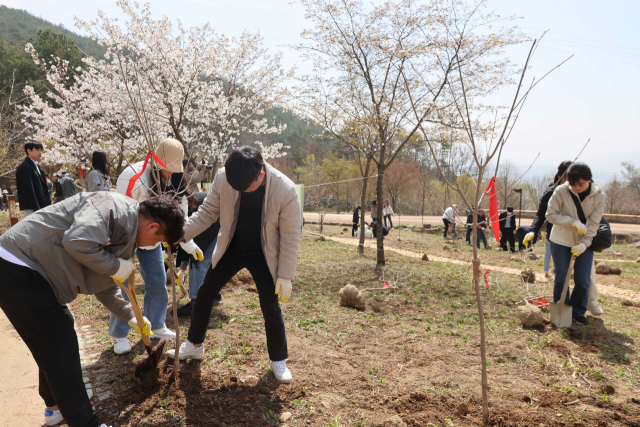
[387,212]
[150,257]
[98,178]
[570,237]
[260,229]
[31,182]
[507,228]
[356,220]
[73,247]
[449,219]
[482,225]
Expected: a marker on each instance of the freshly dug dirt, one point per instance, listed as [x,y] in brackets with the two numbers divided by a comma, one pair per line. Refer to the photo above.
[528,276]
[530,315]
[350,296]
[604,268]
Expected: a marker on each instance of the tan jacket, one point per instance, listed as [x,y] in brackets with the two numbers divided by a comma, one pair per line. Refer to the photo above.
[280,229]
[562,213]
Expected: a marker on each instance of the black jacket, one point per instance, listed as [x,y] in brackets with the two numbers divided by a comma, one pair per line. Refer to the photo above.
[31,186]
[541,215]
[503,220]
[470,220]
[356,215]
[481,219]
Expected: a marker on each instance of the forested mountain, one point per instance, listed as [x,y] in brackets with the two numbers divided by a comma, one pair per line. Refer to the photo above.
[18,26]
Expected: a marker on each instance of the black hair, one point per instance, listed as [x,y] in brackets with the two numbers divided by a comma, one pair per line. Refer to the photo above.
[31,145]
[578,171]
[99,162]
[509,208]
[185,162]
[562,169]
[375,202]
[243,166]
[167,213]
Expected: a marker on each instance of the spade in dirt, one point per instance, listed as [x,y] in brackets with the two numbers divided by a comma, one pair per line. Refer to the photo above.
[562,314]
[154,356]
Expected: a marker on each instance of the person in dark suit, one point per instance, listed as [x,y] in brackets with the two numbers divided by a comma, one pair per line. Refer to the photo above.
[507,228]
[31,182]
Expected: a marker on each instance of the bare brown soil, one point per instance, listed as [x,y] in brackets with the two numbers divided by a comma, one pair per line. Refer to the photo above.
[412,352]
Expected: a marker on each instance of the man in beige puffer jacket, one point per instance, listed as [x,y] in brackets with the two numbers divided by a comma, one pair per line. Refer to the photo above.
[570,237]
[260,229]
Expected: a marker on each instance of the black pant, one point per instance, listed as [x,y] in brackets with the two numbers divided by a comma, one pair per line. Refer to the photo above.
[231,262]
[46,327]
[354,229]
[507,235]
[446,226]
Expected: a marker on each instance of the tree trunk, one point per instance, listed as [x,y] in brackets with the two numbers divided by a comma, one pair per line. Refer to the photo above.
[477,274]
[176,360]
[379,237]
[363,204]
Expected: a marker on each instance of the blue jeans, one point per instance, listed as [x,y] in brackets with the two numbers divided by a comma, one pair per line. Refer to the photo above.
[547,254]
[156,298]
[198,269]
[581,274]
[388,216]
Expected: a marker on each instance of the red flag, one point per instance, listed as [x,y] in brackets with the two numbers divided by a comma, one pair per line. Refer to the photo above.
[493,208]
[81,171]
[135,177]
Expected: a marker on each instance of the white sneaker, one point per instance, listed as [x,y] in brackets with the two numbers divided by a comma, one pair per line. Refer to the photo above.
[52,417]
[121,346]
[163,334]
[547,275]
[594,309]
[280,371]
[188,351]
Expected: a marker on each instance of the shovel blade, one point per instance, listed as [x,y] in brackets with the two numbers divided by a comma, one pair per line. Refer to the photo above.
[561,315]
[152,360]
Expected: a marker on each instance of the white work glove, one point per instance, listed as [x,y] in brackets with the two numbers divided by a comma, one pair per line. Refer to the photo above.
[580,227]
[527,238]
[283,287]
[124,271]
[578,249]
[146,330]
[192,249]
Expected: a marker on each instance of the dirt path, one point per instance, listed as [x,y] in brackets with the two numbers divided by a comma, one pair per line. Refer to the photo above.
[607,290]
[19,398]
[416,220]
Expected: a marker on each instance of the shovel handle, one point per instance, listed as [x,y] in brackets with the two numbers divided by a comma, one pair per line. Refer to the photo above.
[131,293]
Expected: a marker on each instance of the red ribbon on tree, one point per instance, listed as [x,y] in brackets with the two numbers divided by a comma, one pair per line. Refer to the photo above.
[135,177]
[486,281]
[386,285]
[81,171]
[493,208]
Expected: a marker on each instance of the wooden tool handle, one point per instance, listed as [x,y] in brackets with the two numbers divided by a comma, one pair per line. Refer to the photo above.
[567,280]
[131,293]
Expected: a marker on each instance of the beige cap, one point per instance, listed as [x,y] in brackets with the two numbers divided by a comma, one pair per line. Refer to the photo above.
[171,153]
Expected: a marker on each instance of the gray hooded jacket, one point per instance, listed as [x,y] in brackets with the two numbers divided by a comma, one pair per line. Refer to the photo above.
[75,244]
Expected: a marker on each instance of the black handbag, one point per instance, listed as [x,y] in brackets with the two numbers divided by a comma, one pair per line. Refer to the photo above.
[602,239]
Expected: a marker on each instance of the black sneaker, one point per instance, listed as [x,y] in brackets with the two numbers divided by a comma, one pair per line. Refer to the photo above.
[185,310]
[217,300]
[581,321]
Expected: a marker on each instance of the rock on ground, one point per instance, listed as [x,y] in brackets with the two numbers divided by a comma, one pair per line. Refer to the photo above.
[604,268]
[285,417]
[350,296]
[530,315]
[394,421]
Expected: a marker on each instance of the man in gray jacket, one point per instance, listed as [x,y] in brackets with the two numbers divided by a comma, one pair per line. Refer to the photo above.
[79,245]
[260,229]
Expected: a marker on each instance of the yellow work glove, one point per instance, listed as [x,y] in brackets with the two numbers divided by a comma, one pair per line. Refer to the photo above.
[78,181]
[180,277]
[580,228]
[578,249]
[283,287]
[527,238]
[542,237]
[192,249]
[146,330]
[165,256]
[124,271]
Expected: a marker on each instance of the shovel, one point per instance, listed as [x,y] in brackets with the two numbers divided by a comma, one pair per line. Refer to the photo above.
[562,314]
[154,355]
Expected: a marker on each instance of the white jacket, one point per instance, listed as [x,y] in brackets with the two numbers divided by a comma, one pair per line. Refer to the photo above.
[450,214]
[142,188]
[281,228]
[387,210]
[562,213]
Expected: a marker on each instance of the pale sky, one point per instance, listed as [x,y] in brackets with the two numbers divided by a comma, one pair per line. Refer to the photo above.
[595,95]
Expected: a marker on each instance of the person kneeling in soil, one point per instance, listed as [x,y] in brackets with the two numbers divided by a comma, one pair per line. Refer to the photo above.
[260,230]
[79,245]
[570,237]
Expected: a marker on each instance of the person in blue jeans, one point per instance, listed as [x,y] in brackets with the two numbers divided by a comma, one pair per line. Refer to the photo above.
[571,238]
